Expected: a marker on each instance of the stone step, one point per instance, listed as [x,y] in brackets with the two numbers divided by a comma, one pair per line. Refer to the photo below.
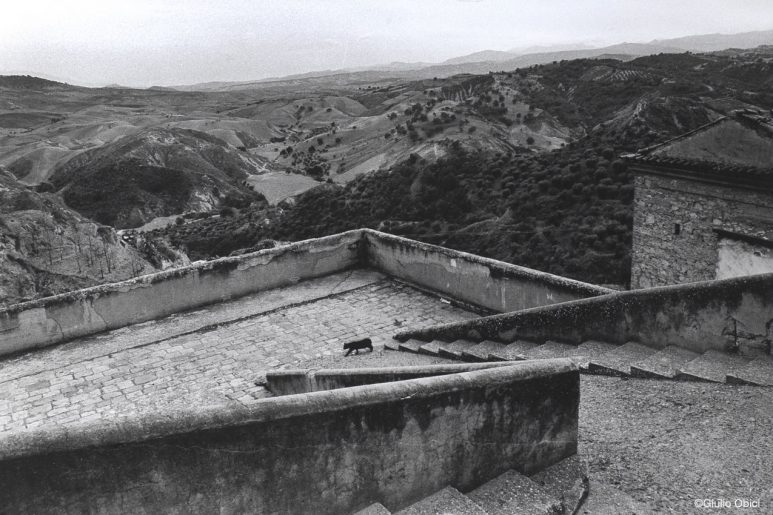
[618,361]
[454,349]
[568,477]
[590,350]
[604,499]
[411,345]
[664,364]
[550,349]
[487,350]
[392,345]
[515,351]
[513,493]
[758,372]
[373,509]
[448,501]
[711,366]
[430,349]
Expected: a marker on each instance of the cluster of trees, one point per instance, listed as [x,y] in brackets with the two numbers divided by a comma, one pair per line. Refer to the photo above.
[567,212]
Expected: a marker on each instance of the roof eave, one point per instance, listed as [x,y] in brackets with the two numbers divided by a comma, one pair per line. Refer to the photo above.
[736,178]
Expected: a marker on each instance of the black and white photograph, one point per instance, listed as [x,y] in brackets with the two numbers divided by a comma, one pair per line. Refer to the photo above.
[408,257]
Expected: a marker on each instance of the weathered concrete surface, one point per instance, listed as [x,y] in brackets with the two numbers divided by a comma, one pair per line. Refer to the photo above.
[324,452]
[64,317]
[738,258]
[668,443]
[287,382]
[726,315]
[469,278]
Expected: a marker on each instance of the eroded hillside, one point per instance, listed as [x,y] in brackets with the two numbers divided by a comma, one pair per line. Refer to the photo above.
[46,248]
[157,172]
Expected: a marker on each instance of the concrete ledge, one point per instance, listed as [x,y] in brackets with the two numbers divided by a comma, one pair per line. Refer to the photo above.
[288,382]
[469,279]
[472,279]
[720,315]
[64,317]
[332,451]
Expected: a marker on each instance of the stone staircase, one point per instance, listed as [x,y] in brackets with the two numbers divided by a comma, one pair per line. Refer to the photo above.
[562,489]
[595,357]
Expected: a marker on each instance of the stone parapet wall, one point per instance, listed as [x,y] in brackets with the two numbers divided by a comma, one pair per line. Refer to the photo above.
[63,317]
[472,279]
[326,452]
[726,315]
[661,257]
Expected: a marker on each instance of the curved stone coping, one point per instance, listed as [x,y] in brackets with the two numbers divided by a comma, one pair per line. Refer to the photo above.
[289,381]
[310,245]
[62,439]
[694,316]
[496,267]
[224,263]
[469,279]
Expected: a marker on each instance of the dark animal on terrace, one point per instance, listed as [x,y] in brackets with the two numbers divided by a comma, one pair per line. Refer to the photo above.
[357,345]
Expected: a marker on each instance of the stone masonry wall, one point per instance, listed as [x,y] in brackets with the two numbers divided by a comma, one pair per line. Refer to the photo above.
[661,257]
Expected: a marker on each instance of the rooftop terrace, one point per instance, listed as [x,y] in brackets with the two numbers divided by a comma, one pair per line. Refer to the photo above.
[201,339]
[208,357]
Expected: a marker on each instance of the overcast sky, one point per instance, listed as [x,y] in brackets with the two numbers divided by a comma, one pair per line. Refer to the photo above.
[167,42]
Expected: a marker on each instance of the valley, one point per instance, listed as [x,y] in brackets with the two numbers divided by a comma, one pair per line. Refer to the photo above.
[520,165]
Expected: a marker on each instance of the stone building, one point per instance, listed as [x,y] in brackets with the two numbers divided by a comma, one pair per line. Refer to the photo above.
[703,206]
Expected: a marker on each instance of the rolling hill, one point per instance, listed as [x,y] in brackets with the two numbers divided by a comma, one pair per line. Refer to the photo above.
[519,165]
[566,211]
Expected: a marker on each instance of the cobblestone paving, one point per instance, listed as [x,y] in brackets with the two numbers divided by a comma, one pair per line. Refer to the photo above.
[215,358]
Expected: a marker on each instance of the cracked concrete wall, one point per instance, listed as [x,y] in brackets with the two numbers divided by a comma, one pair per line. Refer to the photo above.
[728,315]
[472,279]
[63,317]
[328,452]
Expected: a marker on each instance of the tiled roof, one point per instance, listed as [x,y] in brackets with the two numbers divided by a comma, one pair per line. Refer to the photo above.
[735,147]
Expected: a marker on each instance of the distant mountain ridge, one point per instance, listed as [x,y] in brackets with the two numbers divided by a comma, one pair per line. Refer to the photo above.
[496,60]
[715,42]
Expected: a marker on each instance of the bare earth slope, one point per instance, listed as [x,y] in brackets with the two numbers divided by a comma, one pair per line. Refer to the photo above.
[46,248]
[157,172]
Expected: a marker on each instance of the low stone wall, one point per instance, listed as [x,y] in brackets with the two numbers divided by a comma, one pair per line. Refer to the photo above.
[288,382]
[464,277]
[722,315]
[63,317]
[472,279]
[327,452]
